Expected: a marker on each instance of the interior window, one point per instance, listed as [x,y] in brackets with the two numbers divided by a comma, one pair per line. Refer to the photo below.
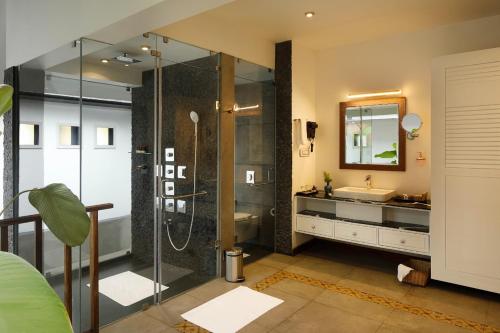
[104,137]
[69,135]
[29,135]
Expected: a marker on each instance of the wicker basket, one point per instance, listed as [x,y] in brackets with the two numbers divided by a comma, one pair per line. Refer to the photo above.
[420,274]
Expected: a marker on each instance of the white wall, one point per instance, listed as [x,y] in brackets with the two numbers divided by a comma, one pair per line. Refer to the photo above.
[106,173]
[303,107]
[2,68]
[31,166]
[2,39]
[402,61]
[50,24]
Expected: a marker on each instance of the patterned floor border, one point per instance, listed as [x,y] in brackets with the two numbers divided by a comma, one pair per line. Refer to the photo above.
[187,327]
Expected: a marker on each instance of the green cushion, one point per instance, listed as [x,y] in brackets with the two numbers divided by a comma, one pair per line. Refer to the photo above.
[27,302]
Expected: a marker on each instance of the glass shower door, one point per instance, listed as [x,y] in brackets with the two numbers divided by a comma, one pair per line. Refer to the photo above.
[187,138]
[254,159]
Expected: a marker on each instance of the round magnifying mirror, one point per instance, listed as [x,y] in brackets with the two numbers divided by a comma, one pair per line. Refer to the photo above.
[411,122]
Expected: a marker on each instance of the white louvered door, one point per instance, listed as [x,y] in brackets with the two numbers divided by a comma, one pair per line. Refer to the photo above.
[465,217]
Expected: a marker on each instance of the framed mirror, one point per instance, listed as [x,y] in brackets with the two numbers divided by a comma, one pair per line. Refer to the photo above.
[371,135]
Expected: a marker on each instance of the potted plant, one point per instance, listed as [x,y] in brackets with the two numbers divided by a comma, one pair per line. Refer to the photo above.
[328,188]
[60,209]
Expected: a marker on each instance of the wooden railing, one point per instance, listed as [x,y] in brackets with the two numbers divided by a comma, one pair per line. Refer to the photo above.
[68,279]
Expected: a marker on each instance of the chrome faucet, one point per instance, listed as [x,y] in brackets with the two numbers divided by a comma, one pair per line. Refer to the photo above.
[368,181]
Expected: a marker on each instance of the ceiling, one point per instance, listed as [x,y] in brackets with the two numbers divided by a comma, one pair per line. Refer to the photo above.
[339,22]
[172,52]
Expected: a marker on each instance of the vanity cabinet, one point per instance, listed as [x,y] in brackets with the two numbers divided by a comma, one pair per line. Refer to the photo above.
[402,228]
[404,240]
[356,233]
[314,226]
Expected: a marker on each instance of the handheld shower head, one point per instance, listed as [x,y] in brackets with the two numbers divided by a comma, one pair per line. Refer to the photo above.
[194,117]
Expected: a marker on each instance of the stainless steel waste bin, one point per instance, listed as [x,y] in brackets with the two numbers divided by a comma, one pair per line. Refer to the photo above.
[234,265]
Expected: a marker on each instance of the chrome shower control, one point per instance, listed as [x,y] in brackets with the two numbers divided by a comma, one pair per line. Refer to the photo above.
[169,155]
[250,177]
[169,188]
[169,171]
[181,172]
[170,205]
[181,206]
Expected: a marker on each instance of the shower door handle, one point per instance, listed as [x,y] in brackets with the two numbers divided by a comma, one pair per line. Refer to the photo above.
[182,196]
[272,211]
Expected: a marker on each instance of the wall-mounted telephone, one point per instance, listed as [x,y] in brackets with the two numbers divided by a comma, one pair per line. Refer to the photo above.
[311,132]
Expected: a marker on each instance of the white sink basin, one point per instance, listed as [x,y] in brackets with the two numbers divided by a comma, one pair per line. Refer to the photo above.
[363,193]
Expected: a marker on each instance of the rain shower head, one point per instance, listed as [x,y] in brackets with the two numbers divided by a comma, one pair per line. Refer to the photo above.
[125,58]
[194,117]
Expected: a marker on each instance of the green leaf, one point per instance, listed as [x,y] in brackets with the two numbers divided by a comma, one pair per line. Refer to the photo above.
[394,145]
[387,154]
[62,212]
[6,93]
[327,177]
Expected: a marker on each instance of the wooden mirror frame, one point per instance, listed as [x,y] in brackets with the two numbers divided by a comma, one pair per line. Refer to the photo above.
[401,166]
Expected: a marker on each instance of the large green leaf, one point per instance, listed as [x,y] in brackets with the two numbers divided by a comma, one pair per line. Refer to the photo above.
[27,302]
[62,212]
[6,92]
[387,154]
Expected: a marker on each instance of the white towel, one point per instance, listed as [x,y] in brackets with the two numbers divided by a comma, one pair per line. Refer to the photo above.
[403,271]
[300,131]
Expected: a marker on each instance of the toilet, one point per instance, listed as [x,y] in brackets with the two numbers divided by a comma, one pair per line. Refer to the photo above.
[246,226]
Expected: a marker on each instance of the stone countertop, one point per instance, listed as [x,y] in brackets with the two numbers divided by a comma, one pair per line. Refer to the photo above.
[390,203]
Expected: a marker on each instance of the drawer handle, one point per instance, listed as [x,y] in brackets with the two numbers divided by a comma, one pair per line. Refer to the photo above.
[402,241]
[354,233]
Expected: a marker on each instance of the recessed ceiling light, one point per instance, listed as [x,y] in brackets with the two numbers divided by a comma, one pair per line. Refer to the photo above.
[104,61]
[126,65]
[309,14]
[145,47]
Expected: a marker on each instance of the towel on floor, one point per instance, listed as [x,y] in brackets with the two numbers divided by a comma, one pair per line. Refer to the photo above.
[403,271]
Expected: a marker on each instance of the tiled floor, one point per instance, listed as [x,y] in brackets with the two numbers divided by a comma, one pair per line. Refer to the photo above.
[324,291]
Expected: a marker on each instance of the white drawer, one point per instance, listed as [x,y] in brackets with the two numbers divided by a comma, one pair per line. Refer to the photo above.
[315,225]
[356,232]
[404,240]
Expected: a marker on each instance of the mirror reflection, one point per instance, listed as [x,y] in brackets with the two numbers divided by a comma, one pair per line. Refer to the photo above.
[371,134]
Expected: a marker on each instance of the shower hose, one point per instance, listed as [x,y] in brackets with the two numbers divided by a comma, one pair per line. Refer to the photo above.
[194,197]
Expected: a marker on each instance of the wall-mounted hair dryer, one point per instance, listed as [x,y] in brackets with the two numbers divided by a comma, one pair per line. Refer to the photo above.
[311,132]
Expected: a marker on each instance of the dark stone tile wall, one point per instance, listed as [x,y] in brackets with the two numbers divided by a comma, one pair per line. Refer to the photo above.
[283,78]
[9,181]
[186,87]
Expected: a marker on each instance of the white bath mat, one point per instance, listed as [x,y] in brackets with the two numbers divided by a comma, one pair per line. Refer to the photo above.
[127,288]
[231,311]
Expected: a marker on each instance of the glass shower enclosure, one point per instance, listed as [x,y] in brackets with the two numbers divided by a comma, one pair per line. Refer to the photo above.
[133,124]
[138,124]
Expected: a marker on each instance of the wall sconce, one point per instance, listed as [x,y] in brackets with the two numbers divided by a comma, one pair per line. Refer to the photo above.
[375,94]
